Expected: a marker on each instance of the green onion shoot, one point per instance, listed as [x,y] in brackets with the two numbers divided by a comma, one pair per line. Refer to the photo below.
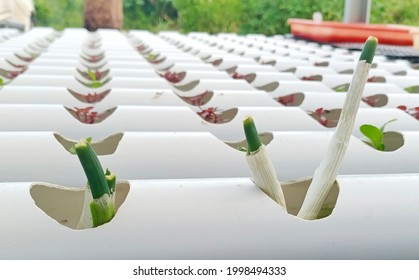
[99,204]
[329,167]
[261,167]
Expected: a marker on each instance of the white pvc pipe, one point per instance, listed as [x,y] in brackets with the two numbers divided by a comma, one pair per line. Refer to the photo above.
[374,218]
[33,156]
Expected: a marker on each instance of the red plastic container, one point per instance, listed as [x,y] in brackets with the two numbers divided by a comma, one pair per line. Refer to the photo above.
[338,32]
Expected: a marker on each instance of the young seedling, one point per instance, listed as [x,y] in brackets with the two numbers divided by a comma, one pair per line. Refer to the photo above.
[293,99]
[4,81]
[412,89]
[375,135]
[261,167]
[327,118]
[95,83]
[341,88]
[414,112]
[173,77]
[326,173]
[87,116]
[99,202]
[210,114]
[90,97]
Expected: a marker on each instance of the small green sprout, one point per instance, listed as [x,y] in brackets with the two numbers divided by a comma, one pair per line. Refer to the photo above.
[412,89]
[91,74]
[95,83]
[261,167]
[151,57]
[375,135]
[1,82]
[341,88]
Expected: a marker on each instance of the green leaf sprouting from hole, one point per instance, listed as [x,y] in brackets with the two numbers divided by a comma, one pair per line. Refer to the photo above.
[374,135]
[341,88]
[1,82]
[412,89]
[92,75]
[384,125]
[151,57]
[96,84]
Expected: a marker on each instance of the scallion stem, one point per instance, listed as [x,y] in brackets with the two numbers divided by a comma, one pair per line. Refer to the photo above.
[92,168]
[329,167]
[100,190]
[260,165]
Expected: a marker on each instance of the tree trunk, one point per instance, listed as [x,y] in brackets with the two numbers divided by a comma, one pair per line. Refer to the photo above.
[103,14]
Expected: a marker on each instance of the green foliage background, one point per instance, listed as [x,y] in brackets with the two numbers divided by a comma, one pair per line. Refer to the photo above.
[214,16]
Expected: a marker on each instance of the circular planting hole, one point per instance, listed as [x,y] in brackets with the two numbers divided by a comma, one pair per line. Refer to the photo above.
[327,118]
[65,204]
[377,100]
[295,192]
[88,115]
[215,115]
[392,141]
[294,99]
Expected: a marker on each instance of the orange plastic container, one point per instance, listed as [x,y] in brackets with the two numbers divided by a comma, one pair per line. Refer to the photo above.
[338,32]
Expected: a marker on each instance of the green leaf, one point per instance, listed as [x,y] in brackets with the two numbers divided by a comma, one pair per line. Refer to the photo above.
[373,133]
[384,125]
[341,88]
[412,89]
[1,82]
[92,75]
[96,84]
[380,147]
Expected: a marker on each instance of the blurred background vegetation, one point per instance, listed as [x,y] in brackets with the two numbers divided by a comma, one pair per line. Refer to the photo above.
[215,16]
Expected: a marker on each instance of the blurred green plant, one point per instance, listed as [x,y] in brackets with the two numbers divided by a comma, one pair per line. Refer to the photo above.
[59,14]
[395,12]
[215,16]
[154,15]
[270,17]
[212,16]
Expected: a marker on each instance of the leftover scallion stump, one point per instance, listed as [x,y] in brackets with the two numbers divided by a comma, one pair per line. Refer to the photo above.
[329,167]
